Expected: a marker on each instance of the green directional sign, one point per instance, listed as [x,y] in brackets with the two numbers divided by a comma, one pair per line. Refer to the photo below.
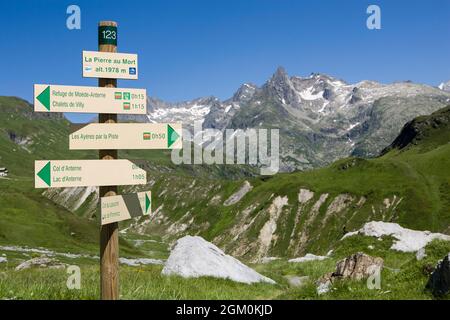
[84,173]
[172,136]
[108,136]
[148,202]
[124,207]
[56,98]
[45,174]
[44,98]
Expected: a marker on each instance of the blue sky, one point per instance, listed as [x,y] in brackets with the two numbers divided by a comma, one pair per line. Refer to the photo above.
[189,49]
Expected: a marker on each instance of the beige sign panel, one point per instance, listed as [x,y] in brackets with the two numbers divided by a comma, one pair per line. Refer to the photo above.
[84,173]
[55,98]
[124,207]
[127,136]
[110,65]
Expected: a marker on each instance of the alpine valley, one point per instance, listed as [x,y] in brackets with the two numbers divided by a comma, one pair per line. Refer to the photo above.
[351,154]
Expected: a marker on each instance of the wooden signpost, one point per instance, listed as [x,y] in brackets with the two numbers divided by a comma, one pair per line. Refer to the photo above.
[109,233]
[107,136]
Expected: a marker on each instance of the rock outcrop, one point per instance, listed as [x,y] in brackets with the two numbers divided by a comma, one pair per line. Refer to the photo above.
[439,282]
[358,266]
[41,262]
[236,197]
[139,261]
[308,257]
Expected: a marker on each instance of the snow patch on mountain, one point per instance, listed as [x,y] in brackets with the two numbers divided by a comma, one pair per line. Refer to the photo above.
[445,86]
[407,240]
[192,111]
[309,95]
[352,126]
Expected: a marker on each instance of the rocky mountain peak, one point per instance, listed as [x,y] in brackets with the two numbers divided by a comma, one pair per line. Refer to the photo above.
[280,77]
[280,87]
[244,93]
[206,101]
[445,86]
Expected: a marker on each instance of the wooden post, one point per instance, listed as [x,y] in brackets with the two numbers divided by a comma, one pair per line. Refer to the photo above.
[109,233]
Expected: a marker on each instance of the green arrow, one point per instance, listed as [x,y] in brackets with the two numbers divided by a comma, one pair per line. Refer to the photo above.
[44,98]
[172,136]
[147,203]
[44,174]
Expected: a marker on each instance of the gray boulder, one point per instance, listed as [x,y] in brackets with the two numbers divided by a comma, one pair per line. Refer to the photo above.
[295,281]
[439,282]
[41,262]
[308,257]
[194,257]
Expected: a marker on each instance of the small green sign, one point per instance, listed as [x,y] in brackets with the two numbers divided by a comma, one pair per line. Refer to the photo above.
[148,202]
[45,174]
[44,98]
[107,35]
[172,136]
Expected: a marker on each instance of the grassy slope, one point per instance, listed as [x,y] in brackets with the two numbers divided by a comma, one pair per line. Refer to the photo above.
[27,217]
[424,188]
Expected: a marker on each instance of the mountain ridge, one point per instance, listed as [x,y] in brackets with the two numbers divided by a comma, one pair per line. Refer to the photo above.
[321,118]
[421,128]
